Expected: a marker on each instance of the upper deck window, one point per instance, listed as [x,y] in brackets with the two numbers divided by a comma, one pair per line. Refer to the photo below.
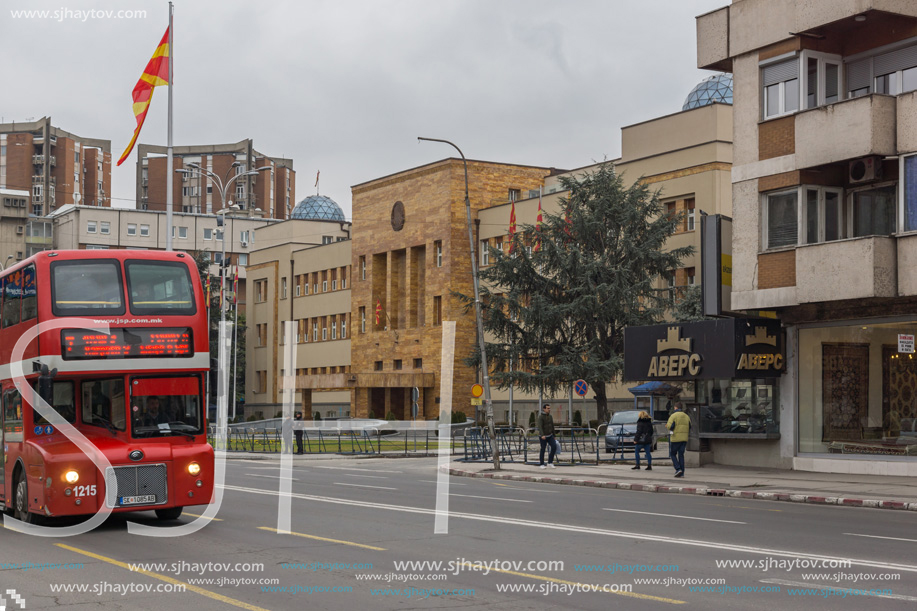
[160,287]
[86,288]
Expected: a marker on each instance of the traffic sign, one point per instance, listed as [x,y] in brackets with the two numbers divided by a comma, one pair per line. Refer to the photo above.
[581,387]
[477,401]
[476,391]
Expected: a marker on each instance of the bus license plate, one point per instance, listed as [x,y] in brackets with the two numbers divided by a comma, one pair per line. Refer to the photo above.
[137,500]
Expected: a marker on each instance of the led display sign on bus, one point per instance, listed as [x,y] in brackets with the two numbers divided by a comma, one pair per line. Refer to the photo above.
[79,344]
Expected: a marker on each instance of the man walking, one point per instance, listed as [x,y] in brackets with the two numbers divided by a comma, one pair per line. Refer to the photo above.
[679,423]
[546,435]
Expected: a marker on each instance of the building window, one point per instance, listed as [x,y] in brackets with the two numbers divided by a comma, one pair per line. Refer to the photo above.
[334,328]
[208,233]
[377,366]
[822,76]
[397,365]
[144,231]
[91,227]
[485,253]
[343,327]
[908,173]
[301,334]
[262,334]
[260,287]
[327,239]
[437,310]
[781,88]
[670,210]
[780,223]
[499,245]
[515,195]
[689,276]
[670,280]
[362,319]
[283,288]
[689,215]
[262,382]
[242,258]
[418,363]
[132,229]
[218,234]
[362,268]
[872,211]
[183,233]
[314,331]
[324,333]
[822,216]
[438,246]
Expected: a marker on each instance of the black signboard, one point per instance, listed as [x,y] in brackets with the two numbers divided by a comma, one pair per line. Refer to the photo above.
[725,348]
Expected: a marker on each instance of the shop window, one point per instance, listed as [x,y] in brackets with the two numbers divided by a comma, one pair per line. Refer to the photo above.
[856,389]
[737,408]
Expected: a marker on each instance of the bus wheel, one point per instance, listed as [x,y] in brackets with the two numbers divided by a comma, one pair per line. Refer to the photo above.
[172,513]
[21,502]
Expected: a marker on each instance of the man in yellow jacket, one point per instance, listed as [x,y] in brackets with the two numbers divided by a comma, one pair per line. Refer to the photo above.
[679,423]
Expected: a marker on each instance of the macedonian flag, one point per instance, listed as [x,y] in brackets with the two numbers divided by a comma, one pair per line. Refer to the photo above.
[156,73]
[512,227]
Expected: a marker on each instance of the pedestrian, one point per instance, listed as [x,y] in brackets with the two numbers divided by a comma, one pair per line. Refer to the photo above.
[679,423]
[298,432]
[643,439]
[546,436]
[286,434]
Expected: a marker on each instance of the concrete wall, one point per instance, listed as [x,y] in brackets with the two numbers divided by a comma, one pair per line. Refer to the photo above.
[847,269]
[869,128]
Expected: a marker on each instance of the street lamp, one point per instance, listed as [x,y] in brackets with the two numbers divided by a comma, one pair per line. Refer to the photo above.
[222,186]
[7,262]
[489,406]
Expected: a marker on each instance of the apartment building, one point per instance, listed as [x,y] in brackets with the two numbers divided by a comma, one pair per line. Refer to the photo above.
[824,187]
[268,195]
[43,167]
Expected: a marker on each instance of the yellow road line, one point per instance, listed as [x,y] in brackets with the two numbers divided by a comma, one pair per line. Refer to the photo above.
[194,515]
[188,586]
[378,549]
[585,586]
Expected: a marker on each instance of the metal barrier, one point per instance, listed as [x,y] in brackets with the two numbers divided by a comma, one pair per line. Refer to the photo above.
[511,443]
[578,441]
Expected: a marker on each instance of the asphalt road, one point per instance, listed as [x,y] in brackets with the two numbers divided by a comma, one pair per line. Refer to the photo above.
[509,545]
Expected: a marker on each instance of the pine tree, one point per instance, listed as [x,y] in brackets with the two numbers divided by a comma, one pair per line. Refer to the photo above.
[557,309]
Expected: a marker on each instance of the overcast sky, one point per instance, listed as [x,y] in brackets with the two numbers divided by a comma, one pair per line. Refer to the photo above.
[346,86]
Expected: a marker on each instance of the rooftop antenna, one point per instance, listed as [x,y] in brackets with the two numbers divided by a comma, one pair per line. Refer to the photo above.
[317,173]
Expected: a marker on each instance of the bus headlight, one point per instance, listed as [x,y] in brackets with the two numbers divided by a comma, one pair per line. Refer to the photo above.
[194,468]
[71,477]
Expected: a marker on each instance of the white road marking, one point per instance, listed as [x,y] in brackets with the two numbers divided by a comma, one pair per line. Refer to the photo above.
[669,515]
[815,586]
[355,469]
[587,530]
[505,487]
[878,537]
[266,475]
[370,476]
[363,486]
[430,481]
[490,498]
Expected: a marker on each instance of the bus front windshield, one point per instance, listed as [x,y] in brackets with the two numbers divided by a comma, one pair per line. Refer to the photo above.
[159,287]
[86,288]
[166,406]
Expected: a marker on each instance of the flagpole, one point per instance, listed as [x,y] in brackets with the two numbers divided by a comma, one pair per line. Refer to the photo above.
[235,339]
[169,143]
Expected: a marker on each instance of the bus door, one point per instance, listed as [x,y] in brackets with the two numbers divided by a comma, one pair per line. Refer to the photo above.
[10,429]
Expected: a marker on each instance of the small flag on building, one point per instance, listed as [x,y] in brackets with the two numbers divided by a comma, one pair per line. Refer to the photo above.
[155,74]
[512,226]
[378,311]
[208,289]
[538,221]
[235,287]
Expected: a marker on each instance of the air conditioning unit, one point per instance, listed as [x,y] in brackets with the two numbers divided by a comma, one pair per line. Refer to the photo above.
[865,169]
[244,243]
[20,229]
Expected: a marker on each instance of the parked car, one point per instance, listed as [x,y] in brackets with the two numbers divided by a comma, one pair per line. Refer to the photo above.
[621,430]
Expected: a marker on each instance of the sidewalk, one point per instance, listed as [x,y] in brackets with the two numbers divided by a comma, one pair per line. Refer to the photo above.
[883,492]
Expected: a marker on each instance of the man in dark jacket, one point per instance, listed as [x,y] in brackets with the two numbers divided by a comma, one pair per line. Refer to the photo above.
[298,431]
[546,435]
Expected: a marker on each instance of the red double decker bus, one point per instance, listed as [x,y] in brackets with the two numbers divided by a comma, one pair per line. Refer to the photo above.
[135,392]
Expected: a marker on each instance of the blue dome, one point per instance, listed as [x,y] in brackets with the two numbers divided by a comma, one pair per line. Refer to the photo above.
[318,208]
[713,89]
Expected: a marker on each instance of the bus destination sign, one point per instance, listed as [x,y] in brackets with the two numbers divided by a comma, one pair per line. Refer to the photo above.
[131,343]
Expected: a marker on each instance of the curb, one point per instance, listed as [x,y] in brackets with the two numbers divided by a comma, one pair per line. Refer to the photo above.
[699,491]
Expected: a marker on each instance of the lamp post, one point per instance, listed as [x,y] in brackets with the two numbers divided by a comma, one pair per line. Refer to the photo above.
[488,404]
[222,186]
[5,263]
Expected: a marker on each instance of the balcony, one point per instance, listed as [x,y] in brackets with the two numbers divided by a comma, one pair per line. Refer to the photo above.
[855,268]
[846,130]
[40,160]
